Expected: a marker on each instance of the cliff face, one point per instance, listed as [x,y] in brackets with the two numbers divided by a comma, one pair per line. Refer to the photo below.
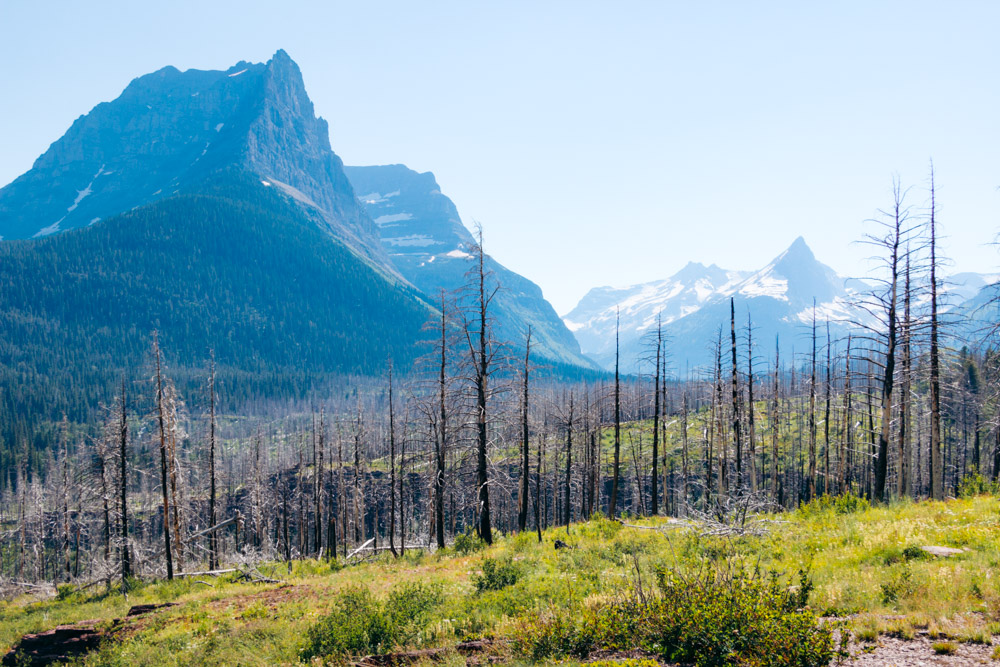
[168,130]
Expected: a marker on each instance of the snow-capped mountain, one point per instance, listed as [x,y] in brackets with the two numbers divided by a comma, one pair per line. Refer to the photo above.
[423,235]
[593,319]
[780,301]
[694,303]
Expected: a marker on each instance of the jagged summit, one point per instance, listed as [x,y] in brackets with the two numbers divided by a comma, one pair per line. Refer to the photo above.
[169,130]
[693,302]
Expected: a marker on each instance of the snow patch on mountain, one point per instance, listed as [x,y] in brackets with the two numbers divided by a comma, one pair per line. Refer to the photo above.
[392,217]
[410,240]
[83,194]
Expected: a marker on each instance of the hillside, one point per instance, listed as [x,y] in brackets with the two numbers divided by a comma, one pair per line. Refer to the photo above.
[522,600]
[234,267]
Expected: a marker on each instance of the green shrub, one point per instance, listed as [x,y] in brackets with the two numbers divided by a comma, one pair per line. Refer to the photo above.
[496,575]
[359,624]
[468,542]
[712,619]
[944,648]
[976,485]
[355,625]
[408,606]
[842,504]
[899,586]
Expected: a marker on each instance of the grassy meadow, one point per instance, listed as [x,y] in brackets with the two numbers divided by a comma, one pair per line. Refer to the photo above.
[830,565]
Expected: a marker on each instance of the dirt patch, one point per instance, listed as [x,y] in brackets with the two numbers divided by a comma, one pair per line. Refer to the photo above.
[475,652]
[65,642]
[916,651]
[271,598]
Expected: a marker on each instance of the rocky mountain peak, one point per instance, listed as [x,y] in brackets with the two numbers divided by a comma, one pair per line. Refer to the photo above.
[170,130]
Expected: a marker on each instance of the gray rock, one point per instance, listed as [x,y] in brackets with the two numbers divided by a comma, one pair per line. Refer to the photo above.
[941,552]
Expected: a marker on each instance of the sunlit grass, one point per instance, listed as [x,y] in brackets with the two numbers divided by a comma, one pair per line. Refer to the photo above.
[866,565]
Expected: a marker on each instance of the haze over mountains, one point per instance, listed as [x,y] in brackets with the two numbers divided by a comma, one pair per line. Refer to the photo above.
[694,304]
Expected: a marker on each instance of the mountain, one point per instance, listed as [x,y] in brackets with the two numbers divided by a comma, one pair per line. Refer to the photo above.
[779,300]
[208,206]
[168,131]
[234,267]
[423,235]
[694,303]
[594,318]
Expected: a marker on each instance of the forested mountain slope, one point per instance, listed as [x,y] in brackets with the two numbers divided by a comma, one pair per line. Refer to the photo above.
[234,267]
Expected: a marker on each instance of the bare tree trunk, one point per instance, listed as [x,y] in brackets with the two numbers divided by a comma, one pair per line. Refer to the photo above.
[904,484]
[213,540]
[163,461]
[522,495]
[442,436]
[937,469]
[172,463]
[392,469]
[126,565]
[848,440]
[538,489]
[569,456]
[737,427]
[751,430]
[654,508]
[812,414]
[826,415]
[685,453]
[776,494]
[882,462]
[613,504]
[482,371]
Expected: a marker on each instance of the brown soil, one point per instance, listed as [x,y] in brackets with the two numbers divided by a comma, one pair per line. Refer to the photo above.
[271,597]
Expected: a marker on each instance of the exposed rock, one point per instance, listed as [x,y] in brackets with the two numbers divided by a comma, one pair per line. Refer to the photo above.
[57,645]
[168,130]
[941,552]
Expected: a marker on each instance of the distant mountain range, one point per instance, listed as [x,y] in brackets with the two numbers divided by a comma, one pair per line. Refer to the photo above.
[425,239]
[693,306]
[210,206]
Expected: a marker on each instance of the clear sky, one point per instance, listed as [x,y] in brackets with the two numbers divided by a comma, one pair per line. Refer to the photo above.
[597,143]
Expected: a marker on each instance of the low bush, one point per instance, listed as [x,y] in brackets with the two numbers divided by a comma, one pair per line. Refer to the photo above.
[945,648]
[496,575]
[977,485]
[899,586]
[360,624]
[468,542]
[844,504]
[711,619]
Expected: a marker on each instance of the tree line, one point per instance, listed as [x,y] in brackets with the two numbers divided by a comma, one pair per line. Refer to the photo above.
[475,439]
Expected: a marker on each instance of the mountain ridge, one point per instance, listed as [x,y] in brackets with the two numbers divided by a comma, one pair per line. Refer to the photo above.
[778,299]
[170,129]
[424,236]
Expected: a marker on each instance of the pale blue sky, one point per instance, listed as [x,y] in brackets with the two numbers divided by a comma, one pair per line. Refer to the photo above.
[598,143]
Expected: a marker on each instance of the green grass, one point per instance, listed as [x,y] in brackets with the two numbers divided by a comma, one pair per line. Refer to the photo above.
[863,564]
